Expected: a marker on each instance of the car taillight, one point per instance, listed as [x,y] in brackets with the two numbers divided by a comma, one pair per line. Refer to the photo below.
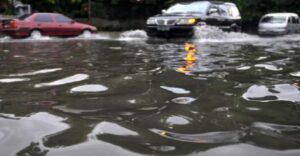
[13,24]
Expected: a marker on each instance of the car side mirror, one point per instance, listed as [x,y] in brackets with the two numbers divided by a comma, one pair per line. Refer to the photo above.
[72,22]
[164,11]
[212,11]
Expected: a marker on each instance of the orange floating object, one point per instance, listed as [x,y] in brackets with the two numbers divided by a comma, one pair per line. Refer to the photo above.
[190,57]
[190,47]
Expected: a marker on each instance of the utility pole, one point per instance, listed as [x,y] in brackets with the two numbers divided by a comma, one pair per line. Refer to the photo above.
[90,11]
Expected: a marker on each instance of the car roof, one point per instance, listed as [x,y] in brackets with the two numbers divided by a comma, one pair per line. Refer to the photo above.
[281,14]
[211,2]
[48,13]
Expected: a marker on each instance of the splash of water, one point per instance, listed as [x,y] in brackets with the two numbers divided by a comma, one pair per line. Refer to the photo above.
[133,35]
[214,34]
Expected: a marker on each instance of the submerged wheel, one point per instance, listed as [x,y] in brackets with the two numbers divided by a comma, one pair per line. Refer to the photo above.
[36,34]
[151,33]
[86,33]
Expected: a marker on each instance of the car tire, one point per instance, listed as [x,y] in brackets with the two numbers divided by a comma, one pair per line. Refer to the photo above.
[35,34]
[151,34]
[86,33]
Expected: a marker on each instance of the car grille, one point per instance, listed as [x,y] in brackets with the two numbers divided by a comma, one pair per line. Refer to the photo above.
[166,22]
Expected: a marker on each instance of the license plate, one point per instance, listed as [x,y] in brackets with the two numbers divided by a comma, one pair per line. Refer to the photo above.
[163,28]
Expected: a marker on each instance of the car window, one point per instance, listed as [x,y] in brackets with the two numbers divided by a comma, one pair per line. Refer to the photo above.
[273,19]
[224,10]
[290,20]
[195,7]
[295,20]
[214,10]
[62,19]
[233,11]
[24,17]
[43,18]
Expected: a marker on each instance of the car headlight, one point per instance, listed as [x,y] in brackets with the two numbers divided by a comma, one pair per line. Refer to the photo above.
[151,21]
[187,21]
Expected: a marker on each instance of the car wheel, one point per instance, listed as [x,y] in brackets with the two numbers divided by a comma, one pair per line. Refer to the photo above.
[235,29]
[36,34]
[86,33]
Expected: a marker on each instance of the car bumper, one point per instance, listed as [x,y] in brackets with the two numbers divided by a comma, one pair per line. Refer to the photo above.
[271,32]
[14,33]
[170,31]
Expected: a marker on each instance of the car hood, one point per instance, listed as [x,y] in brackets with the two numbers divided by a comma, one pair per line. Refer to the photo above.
[176,16]
[82,25]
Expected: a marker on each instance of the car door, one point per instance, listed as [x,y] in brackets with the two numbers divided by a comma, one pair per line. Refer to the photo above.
[213,16]
[298,24]
[295,24]
[67,27]
[46,24]
[226,19]
[290,24]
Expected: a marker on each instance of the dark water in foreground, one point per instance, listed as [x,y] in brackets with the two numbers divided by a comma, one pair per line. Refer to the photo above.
[129,95]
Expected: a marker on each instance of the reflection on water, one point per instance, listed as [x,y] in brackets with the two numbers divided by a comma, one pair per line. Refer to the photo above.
[125,94]
[92,88]
[281,92]
[67,80]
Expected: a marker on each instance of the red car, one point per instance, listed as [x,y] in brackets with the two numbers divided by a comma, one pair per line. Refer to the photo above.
[47,24]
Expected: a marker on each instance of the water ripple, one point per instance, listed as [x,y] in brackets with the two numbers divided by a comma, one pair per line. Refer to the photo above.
[268,67]
[183,100]
[177,120]
[112,129]
[295,74]
[175,90]
[67,80]
[43,71]
[91,88]
[281,92]
[18,134]
[211,137]
[275,127]
[13,80]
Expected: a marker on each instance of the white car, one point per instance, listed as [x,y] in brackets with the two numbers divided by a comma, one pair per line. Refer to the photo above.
[279,24]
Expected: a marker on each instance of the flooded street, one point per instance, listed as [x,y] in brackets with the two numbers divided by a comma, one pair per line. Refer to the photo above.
[126,94]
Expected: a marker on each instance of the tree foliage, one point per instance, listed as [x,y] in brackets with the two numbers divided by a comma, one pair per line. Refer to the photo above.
[251,10]
[127,9]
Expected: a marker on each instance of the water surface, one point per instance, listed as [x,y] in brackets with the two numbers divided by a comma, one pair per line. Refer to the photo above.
[126,94]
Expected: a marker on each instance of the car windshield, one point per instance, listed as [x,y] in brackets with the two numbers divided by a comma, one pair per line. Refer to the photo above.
[23,17]
[274,19]
[181,8]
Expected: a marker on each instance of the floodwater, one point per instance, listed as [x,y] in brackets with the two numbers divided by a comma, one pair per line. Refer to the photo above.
[223,94]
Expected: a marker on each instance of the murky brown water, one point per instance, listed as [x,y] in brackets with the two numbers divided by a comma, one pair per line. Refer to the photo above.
[130,95]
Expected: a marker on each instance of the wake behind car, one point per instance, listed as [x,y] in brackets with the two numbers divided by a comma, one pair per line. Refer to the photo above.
[182,18]
[279,24]
[48,24]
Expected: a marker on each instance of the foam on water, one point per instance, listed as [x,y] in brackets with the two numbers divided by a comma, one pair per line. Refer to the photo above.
[203,34]
[216,35]
[133,35]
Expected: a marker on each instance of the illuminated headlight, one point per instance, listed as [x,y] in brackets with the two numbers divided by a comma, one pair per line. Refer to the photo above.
[151,21]
[187,21]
